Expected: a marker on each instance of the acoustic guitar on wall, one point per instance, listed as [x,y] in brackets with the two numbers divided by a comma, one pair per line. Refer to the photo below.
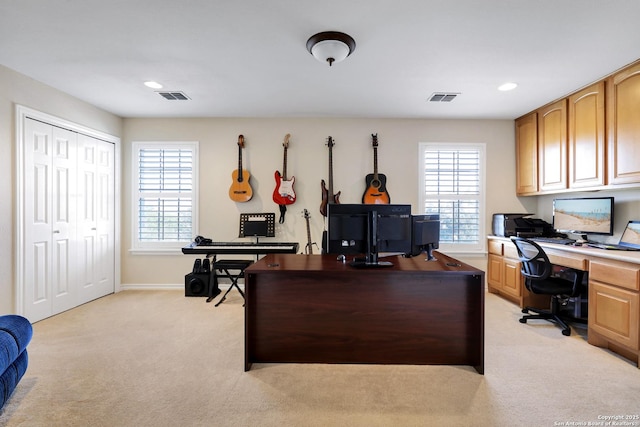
[284,194]
[240,190]
[376,183]
[328,196]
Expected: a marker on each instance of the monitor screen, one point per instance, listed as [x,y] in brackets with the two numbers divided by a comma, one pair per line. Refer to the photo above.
[589,215]
[368,229]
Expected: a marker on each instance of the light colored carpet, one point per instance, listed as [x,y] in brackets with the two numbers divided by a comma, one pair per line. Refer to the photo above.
[156,358]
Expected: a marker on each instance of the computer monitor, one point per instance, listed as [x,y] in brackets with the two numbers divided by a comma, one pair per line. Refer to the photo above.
[355,229]
[425,234]
[588,215]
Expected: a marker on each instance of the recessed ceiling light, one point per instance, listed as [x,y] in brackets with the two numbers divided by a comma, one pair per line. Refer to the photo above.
[507,86]
[153,85]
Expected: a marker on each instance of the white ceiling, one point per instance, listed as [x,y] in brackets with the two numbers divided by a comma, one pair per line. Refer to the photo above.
[247,58]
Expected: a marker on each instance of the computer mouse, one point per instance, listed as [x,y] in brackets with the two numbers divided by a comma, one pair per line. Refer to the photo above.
[342,258]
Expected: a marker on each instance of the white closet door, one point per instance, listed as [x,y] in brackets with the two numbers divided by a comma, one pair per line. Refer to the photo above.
[96,222]
[63,198]
[49,178]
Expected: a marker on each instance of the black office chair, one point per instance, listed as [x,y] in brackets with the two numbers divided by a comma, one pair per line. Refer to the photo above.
[537,271]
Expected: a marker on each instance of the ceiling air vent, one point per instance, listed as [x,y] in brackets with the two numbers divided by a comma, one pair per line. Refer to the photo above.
[443,96]
[174,96]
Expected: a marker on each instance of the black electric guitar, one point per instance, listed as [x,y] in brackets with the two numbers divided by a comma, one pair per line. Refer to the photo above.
[328,196]
[376,191]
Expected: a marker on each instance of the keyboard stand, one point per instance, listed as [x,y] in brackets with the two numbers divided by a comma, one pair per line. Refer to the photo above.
[224,266]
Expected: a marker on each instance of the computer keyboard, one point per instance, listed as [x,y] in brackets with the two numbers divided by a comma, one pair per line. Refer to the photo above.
[556,240]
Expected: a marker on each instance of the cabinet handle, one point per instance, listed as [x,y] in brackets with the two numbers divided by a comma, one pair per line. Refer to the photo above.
[56,231]
[93,229]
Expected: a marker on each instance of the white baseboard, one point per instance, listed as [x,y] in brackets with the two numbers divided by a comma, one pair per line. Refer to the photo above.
[166,286]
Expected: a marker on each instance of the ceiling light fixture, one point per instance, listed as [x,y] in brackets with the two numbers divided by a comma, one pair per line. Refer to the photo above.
[153,85]
[331,46]
[507,86]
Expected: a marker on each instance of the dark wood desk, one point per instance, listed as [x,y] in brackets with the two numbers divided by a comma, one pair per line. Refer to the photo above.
[315,309]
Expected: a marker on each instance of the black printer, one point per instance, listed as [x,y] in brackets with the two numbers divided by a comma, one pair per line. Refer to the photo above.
[517,224]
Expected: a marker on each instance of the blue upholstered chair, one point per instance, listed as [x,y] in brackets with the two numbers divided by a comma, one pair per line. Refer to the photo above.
[15,335]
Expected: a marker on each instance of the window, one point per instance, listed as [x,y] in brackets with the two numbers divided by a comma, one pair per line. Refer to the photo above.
[452,185]
[164,195]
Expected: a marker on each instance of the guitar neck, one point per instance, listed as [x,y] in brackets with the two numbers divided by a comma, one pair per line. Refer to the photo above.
[375,163]
[284,165]
[330,174]
[239,163]
[309,244]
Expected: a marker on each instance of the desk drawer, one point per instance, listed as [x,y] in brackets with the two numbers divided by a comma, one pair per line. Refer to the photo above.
[510,251]
[566,259]
[495,247]
[618,274]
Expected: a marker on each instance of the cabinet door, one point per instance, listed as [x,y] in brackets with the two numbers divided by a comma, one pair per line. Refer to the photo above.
[512,279]
[613,313]
[587,137]
[623,116]
[552,146]
[527,154]
[494,271]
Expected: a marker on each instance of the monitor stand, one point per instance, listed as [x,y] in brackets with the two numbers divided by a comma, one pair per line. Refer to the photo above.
[362,263]
[370,261]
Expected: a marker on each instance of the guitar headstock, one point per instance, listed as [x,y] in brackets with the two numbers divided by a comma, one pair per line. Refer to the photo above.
[241,141]
[374,137]
[330,142]
[285,144]
[306,213]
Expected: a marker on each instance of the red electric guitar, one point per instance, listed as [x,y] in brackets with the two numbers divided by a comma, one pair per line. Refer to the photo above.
[284,193]
[328,197]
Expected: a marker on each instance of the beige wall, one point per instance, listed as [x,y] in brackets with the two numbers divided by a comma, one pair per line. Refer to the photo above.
[15,89]
[308,161]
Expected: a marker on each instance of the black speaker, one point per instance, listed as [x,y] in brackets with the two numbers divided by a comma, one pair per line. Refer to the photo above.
[196,285]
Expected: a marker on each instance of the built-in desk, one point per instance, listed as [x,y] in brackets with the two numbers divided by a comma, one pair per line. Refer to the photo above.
[614,289]
[315,309]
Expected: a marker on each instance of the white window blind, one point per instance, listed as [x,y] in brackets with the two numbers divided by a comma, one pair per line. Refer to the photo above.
[453,187]
[164,197]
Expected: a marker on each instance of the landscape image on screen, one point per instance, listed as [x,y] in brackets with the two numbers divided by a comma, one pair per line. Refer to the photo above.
[632,233]
[588,215]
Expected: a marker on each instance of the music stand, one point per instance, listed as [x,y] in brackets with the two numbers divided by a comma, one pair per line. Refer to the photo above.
[257,225]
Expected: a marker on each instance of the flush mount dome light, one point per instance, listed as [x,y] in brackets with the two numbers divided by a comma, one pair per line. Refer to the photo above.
[331,46]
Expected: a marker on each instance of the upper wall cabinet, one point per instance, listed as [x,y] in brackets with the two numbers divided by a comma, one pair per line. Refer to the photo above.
[589,140]
[552,146]
[527,154]
[587,137]
[623,116]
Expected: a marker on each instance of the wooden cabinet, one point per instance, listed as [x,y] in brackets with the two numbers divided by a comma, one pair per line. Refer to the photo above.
[587,137]
[552,147]
[589,140]
[504,278]
[623,117]
[614,308]
[527,154]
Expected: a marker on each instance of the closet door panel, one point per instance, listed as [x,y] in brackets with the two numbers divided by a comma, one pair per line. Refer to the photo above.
[37,220]
[63,198]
